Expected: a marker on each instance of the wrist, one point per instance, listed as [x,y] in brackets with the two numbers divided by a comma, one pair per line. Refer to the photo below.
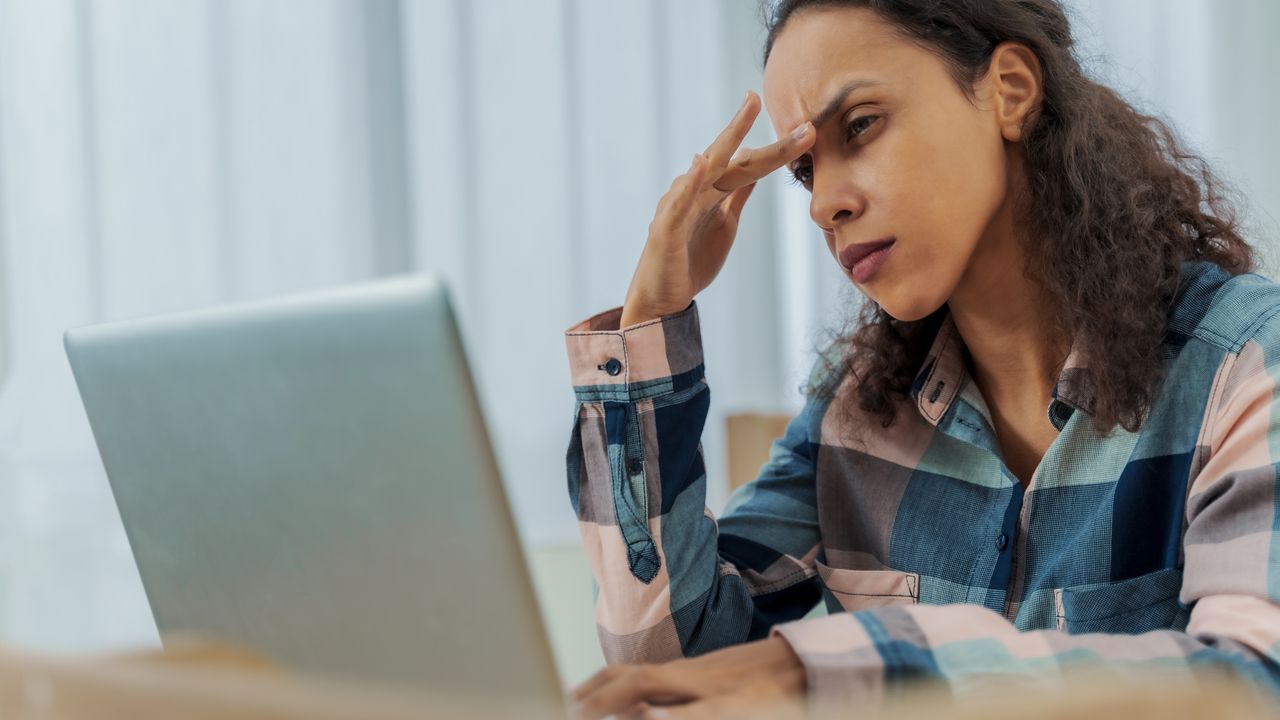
[634,316]
[785,663]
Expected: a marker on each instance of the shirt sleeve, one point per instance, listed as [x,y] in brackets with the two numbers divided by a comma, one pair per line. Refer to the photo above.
[669,582]
[1231,581]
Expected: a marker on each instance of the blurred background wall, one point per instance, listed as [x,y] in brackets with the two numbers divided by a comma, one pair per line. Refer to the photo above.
[159,155]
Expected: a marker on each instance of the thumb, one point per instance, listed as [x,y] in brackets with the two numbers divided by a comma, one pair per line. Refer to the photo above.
[737,199]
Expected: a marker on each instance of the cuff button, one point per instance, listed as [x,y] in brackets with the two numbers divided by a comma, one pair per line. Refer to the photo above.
[613,367]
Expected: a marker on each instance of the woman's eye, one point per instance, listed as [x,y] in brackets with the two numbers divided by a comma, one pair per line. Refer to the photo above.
[801,175]
[859,126]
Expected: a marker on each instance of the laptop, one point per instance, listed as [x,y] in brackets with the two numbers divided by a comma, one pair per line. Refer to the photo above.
[311,477]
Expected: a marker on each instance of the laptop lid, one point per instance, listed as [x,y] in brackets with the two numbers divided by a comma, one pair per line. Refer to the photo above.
[311,477]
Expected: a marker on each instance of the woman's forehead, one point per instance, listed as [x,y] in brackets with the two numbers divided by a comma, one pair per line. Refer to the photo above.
[821,52]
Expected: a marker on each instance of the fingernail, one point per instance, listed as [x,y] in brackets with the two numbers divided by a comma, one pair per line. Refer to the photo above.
[693,164]
[800,131]
[746,98]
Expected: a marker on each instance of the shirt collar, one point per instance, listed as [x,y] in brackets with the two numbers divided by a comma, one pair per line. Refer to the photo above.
[943,374]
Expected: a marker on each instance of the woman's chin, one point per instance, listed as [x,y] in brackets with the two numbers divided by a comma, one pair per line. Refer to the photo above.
[907,309]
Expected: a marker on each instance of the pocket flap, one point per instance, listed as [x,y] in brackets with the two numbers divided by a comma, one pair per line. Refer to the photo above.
[1148,602]
[859,589]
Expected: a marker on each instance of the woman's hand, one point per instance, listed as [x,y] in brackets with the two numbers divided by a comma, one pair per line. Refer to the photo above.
[697,218]
[757,679]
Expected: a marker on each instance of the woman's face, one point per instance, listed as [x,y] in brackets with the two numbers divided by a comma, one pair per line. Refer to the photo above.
[900,153]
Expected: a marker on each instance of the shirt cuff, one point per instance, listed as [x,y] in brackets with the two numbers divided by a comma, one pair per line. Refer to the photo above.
[843,666]
[601,354]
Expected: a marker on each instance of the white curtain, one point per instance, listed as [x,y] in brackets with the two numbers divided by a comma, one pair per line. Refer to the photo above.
[543,135]
[1206,66]
[158,155]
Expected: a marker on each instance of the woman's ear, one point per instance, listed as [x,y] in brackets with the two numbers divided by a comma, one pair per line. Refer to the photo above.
[1015,78]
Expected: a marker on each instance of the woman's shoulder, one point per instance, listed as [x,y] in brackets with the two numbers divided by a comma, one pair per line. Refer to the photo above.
[1225,310]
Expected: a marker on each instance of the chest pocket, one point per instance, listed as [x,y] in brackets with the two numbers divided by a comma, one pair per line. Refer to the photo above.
[862,589]
[1138,605]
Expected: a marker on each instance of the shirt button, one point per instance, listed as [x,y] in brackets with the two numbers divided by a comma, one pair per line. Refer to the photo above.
[613,367]
[635,466]
[1002,542]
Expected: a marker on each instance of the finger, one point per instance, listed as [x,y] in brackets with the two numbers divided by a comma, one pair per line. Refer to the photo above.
[688,188]
[638,685]
[602,676]
[612,700]
[719,151]
[750,165]
[709,708]
[676,205]
[635,712]
[740,706]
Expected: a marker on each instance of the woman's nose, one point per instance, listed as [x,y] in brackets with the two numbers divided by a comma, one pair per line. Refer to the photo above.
[835,201]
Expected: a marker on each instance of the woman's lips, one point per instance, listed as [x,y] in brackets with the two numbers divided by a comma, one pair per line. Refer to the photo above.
[852,254]
[868,266]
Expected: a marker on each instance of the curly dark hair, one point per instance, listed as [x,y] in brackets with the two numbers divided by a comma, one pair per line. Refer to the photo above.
[1114,200]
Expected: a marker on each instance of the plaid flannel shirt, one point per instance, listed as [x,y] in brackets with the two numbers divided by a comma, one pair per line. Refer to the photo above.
[1154,549]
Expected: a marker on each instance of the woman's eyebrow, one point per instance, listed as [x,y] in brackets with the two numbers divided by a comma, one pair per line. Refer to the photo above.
[833,106]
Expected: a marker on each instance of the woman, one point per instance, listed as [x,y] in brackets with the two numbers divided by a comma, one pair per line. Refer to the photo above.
[1047,444]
